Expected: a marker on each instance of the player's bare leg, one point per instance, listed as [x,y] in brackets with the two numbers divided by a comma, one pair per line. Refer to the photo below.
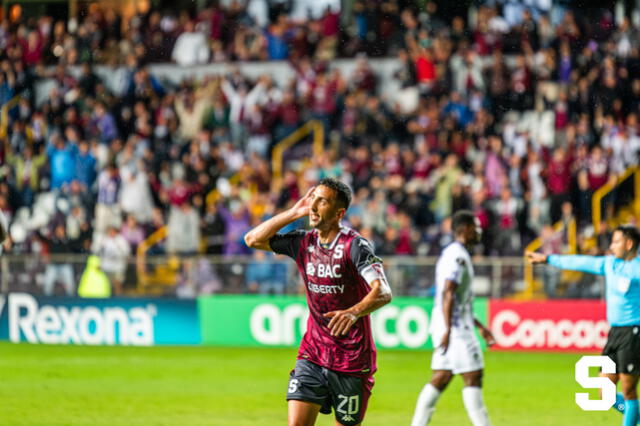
[472,397]
[440,379]
[302,413]
[472,378]
[629,386]
[619,405]
[429,395]
[613,377]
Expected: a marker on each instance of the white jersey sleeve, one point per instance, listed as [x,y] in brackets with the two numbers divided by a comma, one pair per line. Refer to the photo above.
[452,266]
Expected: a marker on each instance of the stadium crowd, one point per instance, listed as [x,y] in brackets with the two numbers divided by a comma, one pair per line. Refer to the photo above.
[518,119]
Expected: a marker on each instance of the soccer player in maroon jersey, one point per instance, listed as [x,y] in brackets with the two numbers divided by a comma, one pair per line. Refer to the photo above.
[344,283]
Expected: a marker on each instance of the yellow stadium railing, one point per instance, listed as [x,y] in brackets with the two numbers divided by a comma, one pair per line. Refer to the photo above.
[4,115]
[532,286]
[604,190]
[277,156]
[163,274]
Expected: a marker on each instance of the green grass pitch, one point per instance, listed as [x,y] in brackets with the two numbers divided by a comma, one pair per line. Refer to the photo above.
[56,385]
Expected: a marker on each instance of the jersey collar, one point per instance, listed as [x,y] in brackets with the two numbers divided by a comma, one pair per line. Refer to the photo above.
[342,230]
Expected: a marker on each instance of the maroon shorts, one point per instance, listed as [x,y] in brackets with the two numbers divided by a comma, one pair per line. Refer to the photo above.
[347,394]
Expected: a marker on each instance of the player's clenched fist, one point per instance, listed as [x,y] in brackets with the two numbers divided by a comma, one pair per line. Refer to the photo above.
[535,258]
[341,322]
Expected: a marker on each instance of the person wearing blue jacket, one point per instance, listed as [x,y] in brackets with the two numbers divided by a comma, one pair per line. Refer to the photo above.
[622,274]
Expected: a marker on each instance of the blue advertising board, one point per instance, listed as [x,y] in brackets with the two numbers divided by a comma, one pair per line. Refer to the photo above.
[138,322]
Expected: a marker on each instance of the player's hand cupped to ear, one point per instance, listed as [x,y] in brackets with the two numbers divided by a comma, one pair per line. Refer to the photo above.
[341,322]
[303,206]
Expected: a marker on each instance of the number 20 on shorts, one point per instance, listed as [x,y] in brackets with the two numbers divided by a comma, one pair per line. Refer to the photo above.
[607,387]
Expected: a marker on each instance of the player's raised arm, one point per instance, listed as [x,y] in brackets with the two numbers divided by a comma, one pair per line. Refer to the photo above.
[259,237]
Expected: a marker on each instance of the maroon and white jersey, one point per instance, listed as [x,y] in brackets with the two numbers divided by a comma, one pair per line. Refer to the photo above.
[336,277]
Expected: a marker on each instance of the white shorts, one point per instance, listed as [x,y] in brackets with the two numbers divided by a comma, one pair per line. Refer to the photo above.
[463,355]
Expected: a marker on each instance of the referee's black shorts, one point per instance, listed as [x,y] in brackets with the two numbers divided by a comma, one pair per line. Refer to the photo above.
[623,347]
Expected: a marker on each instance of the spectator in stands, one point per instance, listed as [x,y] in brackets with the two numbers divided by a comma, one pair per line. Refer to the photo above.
[444,179]
[132,232]
[62,159]
[57,270]
[264,276]
[114,251]
[103,124]
[86,166]
[191,107]
[191,47]
[558,181]
[107,207]
[183,234]
[213,230]
[134,193]
[236,222]
[241,100]
[26,172]
[551,243]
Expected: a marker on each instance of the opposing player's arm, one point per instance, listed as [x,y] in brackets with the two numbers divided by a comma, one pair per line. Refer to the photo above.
[448,296]
[369,266]
[260,236]
[486,334]
[453,266]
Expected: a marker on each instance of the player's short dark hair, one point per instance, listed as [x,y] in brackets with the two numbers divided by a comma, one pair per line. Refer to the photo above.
[630,232]
[462,218]
[343,192]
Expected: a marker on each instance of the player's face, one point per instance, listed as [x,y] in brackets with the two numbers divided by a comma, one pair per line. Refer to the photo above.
[620,245]
[473,233]
[324,209]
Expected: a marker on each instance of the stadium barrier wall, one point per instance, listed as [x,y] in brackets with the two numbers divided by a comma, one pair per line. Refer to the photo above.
[553,325]
[281,321]
[258,321]
[138,322]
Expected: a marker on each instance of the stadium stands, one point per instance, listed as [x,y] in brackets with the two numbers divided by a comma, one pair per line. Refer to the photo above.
[518,115]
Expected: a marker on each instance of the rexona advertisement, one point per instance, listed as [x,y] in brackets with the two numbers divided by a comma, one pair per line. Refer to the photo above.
[281,321]
[562,325]
[140,322]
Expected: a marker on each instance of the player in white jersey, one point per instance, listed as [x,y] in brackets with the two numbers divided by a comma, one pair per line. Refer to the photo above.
[457,350]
